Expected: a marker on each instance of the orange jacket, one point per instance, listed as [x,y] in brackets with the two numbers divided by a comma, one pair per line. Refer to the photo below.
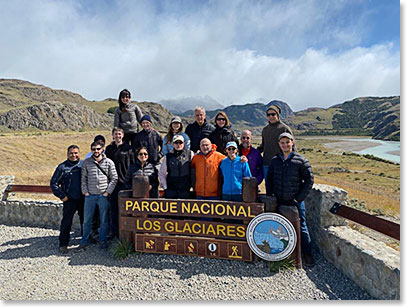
[207,173]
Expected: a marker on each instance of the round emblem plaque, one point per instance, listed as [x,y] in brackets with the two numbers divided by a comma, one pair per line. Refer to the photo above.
[271,236]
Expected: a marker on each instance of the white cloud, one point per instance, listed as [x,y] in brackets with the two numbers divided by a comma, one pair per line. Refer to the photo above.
[233,51]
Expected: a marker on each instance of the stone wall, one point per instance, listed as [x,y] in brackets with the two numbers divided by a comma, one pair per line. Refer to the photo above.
[28,212]
[373,265]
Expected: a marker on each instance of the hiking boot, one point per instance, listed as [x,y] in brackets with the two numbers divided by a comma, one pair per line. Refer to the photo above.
[80,248]
[63,249]
[309,260]
[104,246]
[92,240]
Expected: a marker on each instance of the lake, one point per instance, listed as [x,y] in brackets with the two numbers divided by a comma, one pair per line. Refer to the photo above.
[389,150]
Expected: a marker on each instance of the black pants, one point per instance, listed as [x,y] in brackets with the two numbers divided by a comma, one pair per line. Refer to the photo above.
[70,207]
[175,194]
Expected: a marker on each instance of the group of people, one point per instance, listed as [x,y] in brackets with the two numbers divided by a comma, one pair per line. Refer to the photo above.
[205,161]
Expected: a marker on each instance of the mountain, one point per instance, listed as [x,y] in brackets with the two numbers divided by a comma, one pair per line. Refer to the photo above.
[25,105]
[247,116]
[378,117]
[181,105]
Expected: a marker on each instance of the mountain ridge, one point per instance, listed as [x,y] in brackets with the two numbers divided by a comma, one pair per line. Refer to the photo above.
[25,105]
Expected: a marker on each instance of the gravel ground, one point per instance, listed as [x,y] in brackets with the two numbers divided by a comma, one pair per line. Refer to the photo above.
[32,269]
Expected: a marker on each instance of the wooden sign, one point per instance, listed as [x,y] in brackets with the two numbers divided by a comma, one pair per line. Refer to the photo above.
[184,227]
[190,208]
[193,246]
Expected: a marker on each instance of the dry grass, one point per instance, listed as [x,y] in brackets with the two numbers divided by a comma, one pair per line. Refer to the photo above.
[32,159]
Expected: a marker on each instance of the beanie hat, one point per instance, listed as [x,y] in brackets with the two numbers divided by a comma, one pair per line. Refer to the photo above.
[275,108]
[146,117]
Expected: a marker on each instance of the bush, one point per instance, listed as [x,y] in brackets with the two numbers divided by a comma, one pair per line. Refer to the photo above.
[285,264]
[111,110]
[123,250]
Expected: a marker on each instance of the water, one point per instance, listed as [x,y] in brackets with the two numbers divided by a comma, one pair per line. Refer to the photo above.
[385,149]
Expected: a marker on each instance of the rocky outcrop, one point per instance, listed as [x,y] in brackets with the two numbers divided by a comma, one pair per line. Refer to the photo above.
[55,116]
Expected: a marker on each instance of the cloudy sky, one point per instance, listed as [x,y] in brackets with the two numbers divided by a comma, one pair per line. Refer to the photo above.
[307,53]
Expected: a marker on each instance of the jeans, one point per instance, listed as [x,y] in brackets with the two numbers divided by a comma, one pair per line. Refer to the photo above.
[68,212]
[305,237]
[265,169]
[91,202]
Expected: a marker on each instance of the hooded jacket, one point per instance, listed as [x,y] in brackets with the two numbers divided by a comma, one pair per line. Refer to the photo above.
[233,173]
[207,182]
[128,119]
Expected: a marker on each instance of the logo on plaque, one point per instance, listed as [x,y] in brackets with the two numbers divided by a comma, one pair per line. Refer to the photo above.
[149,244]
[271,236]
[170,246]
[191,247]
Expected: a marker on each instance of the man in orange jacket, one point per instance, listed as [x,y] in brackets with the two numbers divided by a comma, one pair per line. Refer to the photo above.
[206,163]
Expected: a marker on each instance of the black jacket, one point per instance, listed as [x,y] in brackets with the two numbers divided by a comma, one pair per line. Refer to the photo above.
[153,141]
[148,170]
[196,133]
[221,136]
[66,180]
[122,156]
[179,170]
[289,180]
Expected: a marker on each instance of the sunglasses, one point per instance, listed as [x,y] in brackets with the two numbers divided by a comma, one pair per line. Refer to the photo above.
[142,154]
[245,138]
[221,119]
[178,142]
[271,114]
[230,148]
[96,149]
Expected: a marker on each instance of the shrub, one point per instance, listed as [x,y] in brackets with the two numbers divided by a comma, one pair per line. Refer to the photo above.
[123,250]
[285,264]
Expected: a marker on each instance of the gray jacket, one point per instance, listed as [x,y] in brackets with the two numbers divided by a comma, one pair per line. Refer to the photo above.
[94,181]
[128,120]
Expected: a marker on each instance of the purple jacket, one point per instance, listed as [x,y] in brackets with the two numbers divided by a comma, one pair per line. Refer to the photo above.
[255,163]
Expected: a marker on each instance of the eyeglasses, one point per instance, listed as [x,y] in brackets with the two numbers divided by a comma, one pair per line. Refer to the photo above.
[142,154]
[221,119]
[96,149]
[271,114]
[245,138]
[178,142]
[230,148]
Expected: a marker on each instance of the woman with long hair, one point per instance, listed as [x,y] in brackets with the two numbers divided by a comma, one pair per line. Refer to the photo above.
[222,134]
[127,116]
[175,128]
[143,168]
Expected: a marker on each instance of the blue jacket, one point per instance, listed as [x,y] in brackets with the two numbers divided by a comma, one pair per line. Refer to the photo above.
[233,173]
[66,180]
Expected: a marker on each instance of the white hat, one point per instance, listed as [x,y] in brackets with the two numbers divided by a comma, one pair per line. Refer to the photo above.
[178,137]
